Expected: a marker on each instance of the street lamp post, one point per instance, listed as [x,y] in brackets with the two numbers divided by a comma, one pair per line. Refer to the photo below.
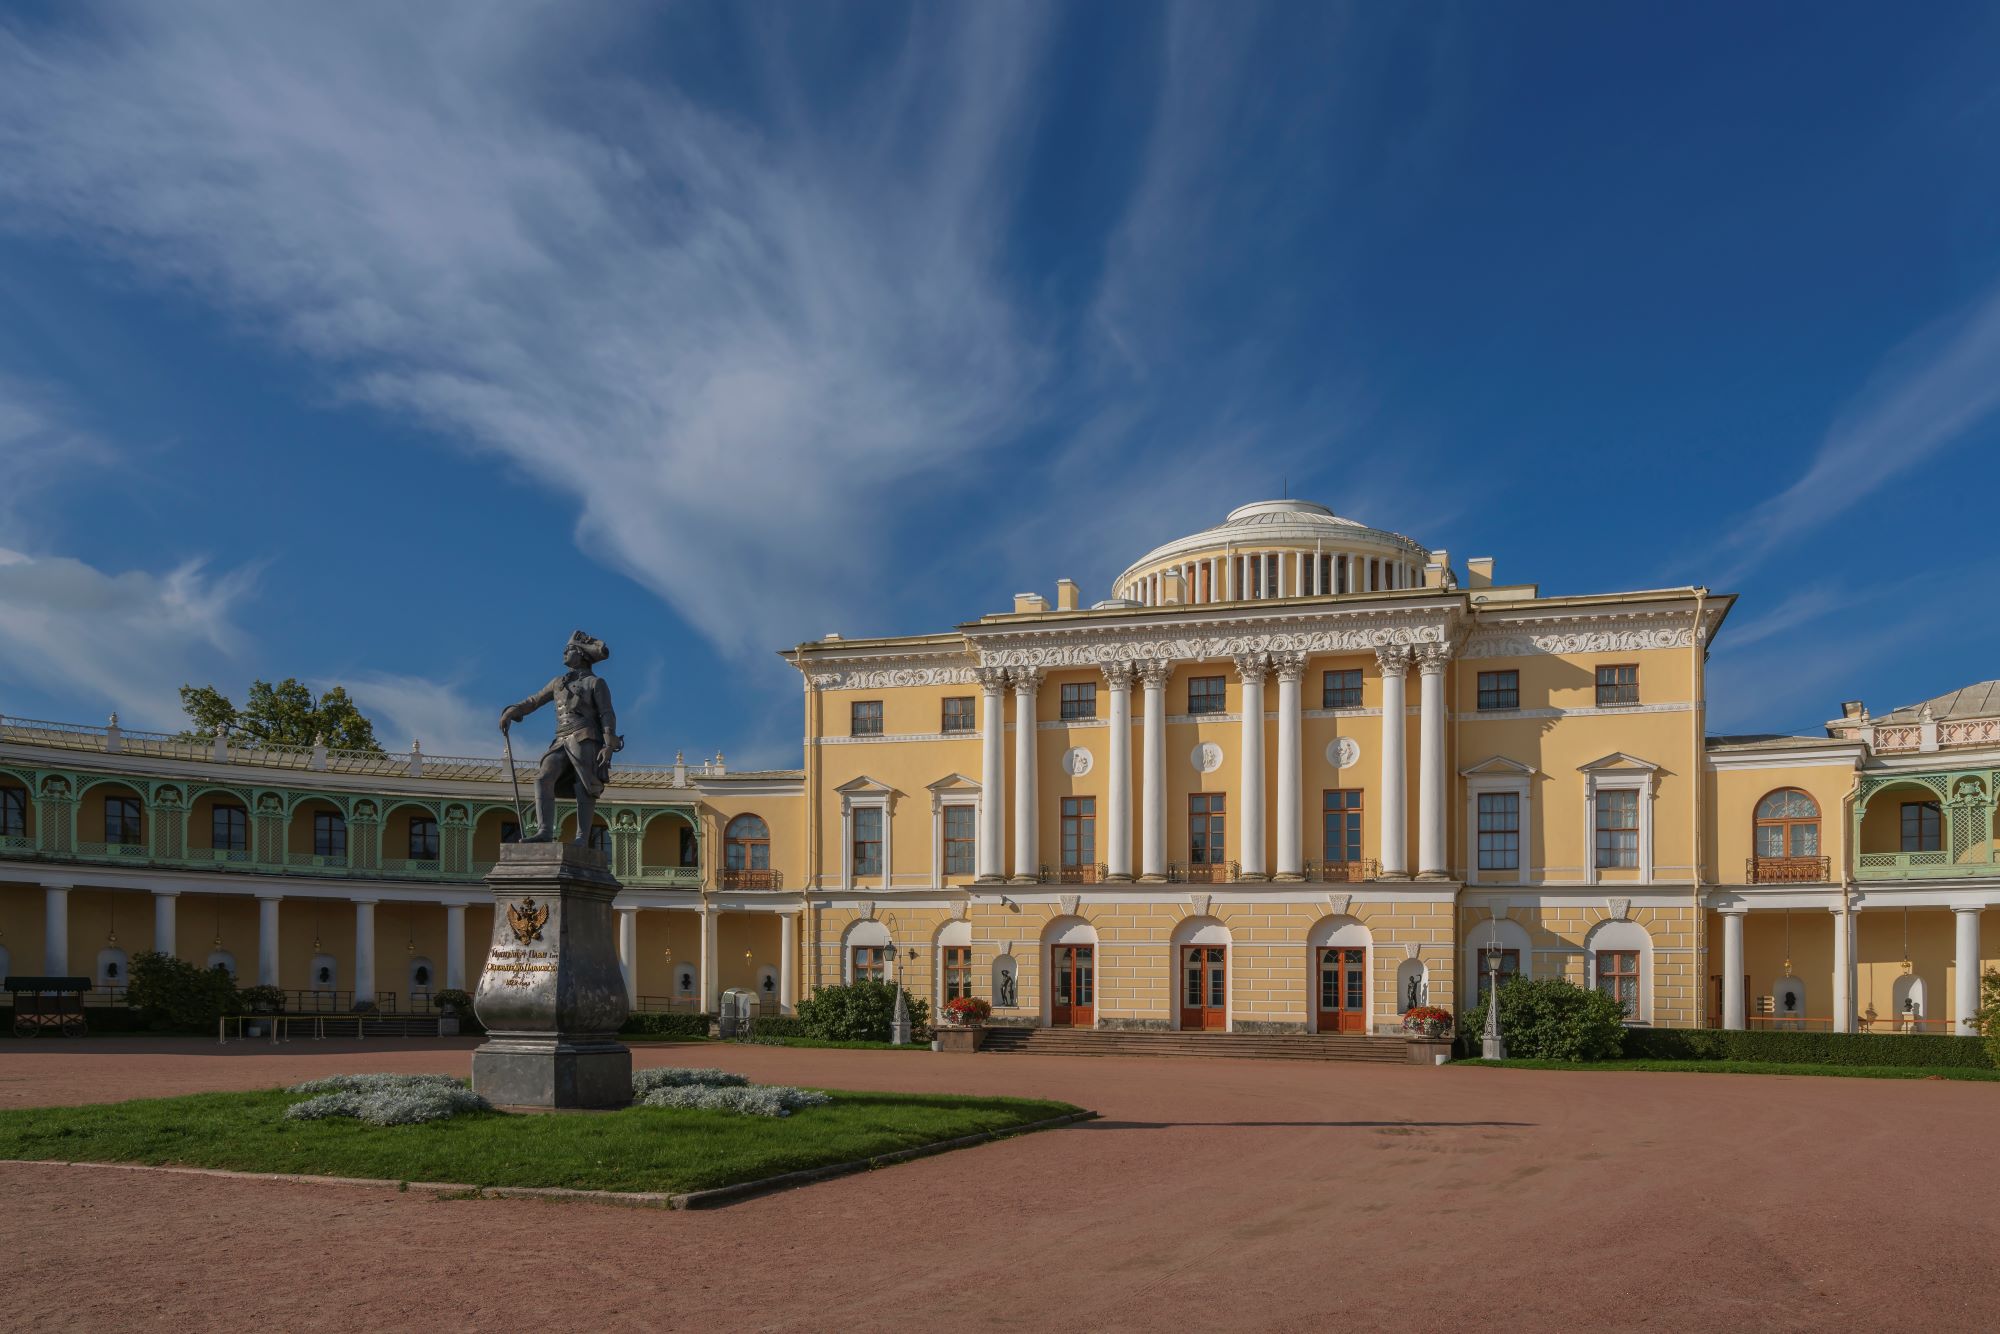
[1491,1048]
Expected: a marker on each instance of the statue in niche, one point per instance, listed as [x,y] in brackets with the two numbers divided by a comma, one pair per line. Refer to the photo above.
[578,762]
[1413,995]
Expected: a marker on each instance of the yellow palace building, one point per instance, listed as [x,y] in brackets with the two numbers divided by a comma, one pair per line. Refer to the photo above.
[1297,775]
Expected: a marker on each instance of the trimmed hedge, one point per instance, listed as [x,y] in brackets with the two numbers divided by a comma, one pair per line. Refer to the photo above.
[779,1026]
[1719,1044]
[668,1025]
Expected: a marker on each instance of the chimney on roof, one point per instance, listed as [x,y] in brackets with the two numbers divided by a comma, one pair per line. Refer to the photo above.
[1028,603]
[1853,708]
[1479,572]
[1435,571]
[1068,595]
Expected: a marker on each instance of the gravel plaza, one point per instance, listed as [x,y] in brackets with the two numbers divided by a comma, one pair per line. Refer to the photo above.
[1216,1194]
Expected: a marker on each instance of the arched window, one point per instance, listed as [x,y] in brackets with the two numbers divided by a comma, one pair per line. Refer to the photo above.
[746,844]
[1788,825]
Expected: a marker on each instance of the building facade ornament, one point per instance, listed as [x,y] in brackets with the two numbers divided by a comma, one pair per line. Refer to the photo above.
[1250,667]
[1095,646]
[1343,752]
[1068,903]
[1076,761]
[1200,903]
[1289,665]
[1620,909]
[1337,905]
[1393,659]
[1117,675]
[889,678]
[1432,659]
[1632,633]
[1153,672]
[1206,757]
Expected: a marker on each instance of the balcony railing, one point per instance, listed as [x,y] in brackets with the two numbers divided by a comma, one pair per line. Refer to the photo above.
[1204,873]
[752,879]
[1342,873]
[1787,871]
[1076,875]
[1924,865]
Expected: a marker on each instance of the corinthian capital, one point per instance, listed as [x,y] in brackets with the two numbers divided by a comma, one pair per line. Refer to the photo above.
[1432,658]
[1394,659]
[991,678]
[1290,667]
[1026,680]
[1153,672]
[1117,675]
[1252,666]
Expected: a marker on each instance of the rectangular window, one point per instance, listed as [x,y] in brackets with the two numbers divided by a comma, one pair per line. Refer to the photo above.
[1510,968]
[1617,828]
[229,829]
[958,840]
[1079,699]
[424,840]
[1617,685]
[1618,978]
[867,840]
[958,714]
[121,820]
[1499,831]
[1207,843]
[1208,694]
[865,717]
[957,972]
[871,963]
[1499,690]
[1922,826]
[1341,815]
[1341,689]
[329,834]
[13,812]
[1079,832]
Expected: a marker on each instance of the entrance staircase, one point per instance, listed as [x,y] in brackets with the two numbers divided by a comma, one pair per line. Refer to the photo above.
[1252,1046]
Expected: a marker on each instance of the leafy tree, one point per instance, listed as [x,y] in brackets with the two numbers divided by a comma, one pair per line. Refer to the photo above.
[1552,1019]
[860,1011]
[1988,1020]
[173,993]
[285,714]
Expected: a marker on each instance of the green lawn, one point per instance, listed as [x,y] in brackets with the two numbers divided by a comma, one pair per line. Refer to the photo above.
[640,1148]
[1756,1068]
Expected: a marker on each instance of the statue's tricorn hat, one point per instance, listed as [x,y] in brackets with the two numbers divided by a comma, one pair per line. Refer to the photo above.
[594,649]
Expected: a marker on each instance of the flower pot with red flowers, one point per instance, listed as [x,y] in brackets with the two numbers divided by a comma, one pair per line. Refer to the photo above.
[962,1023]
[1429,1022]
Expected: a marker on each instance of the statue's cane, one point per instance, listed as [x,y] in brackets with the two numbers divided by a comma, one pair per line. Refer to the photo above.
[520,815]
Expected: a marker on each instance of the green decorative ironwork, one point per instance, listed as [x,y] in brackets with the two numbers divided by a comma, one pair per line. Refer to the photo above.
[1966,798]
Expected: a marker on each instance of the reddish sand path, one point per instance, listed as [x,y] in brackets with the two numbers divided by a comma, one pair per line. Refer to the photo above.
[1213,1195]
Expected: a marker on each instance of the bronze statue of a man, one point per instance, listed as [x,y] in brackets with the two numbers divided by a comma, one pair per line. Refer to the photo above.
[578,761]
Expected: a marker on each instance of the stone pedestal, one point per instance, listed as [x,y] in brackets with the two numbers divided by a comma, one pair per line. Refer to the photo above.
[552,997]
[1428,1051]
[958,1039]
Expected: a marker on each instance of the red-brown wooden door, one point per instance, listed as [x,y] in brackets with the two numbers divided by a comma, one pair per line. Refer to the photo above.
[1073,981]
[1204,988]
[1343,990]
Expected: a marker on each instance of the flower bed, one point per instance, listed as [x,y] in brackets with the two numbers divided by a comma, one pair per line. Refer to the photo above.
[1427,1021]
[719,1091]
[385,1100]
[965,1012]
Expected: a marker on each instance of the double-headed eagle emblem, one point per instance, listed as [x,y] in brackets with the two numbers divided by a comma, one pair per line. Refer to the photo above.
[527,920]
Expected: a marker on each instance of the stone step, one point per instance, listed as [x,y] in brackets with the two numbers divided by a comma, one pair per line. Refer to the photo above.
[1257,1046]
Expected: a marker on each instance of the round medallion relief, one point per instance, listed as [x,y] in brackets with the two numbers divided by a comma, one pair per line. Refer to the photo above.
[1076,761]
[1206,758]
[1343,752]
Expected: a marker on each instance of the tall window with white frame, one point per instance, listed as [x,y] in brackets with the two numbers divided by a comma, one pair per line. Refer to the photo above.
[1207,839]
[1340,815]
[1079,839]
[957,971]
[1499,831]
[1617,829]
[867,840]
[959,839]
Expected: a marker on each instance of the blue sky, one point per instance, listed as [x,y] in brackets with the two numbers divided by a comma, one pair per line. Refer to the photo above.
[387,344]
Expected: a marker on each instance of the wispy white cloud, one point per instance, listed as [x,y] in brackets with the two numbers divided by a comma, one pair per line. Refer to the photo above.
[720,343]
[436,714]
[1936,390]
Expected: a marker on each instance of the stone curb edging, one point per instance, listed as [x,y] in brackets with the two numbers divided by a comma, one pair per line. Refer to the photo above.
[637,1199]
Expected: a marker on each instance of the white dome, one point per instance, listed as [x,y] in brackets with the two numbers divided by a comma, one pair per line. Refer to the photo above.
[1280,524]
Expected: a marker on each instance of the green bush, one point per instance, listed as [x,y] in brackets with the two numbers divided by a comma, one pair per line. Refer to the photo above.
[1787,1047]
[779,1026]
[451,998]
[1988,1019]
[173,993]
[861,1011]
[668,1025]
[1551,1019]
[260,1000]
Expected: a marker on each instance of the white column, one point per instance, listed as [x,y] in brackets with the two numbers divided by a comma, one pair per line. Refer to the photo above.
[1965,979]
[1153,773]
[163,920]
[846,841]
[1843,975]
[55,931]
[1229,577]
[711,991]
[267,940]
[888,843]
[628,953]
[1027,860]
[1290,856]
[1118,819]
[454,946]
[788,961]
[1395,662]
[988,860]
[364,950]
[1433,862]
[1732,968]
[1250,669]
